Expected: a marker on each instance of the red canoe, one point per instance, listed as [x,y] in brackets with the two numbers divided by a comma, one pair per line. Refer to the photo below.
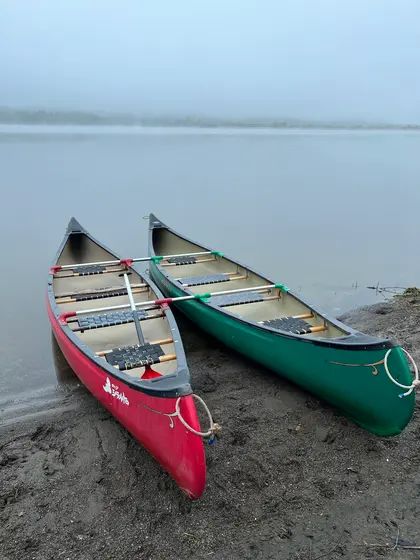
[145,386]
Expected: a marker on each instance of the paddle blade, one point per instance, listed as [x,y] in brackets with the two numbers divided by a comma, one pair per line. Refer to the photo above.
[150,373]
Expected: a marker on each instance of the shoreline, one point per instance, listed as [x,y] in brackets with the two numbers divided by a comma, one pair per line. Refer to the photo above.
[288,478]
[205,127]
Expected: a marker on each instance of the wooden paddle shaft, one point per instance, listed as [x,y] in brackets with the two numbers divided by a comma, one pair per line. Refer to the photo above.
[134,311]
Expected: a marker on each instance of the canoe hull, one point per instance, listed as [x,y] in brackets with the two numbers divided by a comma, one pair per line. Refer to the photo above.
[352,380]
[147,418]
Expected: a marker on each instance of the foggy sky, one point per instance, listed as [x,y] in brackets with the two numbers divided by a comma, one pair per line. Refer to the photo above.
[348,59]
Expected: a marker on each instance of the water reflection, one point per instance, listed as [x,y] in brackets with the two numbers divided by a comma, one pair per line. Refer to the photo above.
[65,375]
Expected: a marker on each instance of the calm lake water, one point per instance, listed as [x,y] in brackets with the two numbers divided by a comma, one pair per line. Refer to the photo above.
[319,211]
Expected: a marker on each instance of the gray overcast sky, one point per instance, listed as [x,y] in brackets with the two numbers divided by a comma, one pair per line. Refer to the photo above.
[355,59]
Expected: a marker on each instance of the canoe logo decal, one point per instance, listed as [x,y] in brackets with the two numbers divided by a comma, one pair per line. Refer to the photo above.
[373,366]
[113,390]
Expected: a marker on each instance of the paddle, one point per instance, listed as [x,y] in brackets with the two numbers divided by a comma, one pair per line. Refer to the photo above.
[134,310]
[63,317]
[128,262]
[149,372]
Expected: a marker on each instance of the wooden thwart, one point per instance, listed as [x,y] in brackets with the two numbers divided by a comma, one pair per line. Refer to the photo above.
[317,329]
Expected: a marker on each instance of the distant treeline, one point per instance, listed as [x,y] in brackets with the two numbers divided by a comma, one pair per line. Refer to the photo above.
[25,116]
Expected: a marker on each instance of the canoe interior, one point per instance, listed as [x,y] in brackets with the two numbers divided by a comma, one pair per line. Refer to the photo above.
[276,304]
[81,249]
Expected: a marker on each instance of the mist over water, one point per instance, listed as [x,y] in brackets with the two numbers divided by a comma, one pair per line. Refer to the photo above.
[324,60]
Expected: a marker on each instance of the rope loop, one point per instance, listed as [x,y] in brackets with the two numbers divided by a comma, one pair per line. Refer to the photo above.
[416,380]
[211,432]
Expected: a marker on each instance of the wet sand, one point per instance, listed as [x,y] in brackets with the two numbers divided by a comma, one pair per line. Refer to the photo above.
[289,478]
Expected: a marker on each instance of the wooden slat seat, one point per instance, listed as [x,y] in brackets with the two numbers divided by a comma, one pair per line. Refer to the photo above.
[294,325]
[181,260]
[202,280]
[112,319]
[100,295]
[237,299]
[88,270]
[130,357]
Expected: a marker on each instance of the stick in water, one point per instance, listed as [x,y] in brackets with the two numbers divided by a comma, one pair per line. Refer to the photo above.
[134,310]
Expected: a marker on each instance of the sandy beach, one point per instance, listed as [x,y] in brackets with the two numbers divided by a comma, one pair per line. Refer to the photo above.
[289,478]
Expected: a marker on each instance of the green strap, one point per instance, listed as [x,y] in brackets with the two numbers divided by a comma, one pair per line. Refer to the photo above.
[156,260]
[202,297]
[217,253]
[282,287]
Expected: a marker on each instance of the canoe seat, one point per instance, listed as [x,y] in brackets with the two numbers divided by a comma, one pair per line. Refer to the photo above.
[100,295]
[182,260]
[130,357]
[293,325]
[237,299]
[109,319]
[200,280]
[88,270]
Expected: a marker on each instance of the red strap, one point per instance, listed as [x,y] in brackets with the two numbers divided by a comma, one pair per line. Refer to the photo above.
[127,262]
[162,301]
[55,269]
[62,319]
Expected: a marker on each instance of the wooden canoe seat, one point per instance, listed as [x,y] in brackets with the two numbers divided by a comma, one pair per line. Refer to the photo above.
[100,295]
[130,357]
[88,270]
[201,280]
[237,299]
[109,319]
[181,260]
[209,279]
[293,325]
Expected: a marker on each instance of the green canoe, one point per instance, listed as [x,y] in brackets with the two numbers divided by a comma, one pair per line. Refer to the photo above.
[277,329]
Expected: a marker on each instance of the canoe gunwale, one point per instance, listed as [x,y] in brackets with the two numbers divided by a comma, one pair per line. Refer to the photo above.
[355,340]
[172,385]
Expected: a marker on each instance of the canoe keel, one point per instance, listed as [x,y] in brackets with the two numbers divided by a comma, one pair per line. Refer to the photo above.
[151,420]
